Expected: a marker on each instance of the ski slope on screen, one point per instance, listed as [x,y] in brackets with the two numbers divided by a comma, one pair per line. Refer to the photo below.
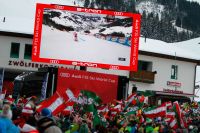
[56,44]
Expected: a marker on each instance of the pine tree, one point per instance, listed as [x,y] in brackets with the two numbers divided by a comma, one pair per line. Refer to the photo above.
[87,2]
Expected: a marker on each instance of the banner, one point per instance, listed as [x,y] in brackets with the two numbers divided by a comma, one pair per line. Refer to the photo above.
[44,87]
[104,85]
[1,78]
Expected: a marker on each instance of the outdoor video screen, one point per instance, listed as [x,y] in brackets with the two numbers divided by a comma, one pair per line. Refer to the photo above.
[86,37]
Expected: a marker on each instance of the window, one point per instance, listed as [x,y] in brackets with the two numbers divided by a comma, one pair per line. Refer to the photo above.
[144,66]
[174,72]
[14,53]
[28,51]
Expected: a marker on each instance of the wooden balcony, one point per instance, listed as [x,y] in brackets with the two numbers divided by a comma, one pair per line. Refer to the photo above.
[143,76]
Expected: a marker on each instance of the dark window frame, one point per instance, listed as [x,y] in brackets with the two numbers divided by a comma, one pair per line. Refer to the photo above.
[28,51]
[145,65]
[14,50]
[174,72]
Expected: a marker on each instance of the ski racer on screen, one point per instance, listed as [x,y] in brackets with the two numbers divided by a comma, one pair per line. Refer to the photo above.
[75,36]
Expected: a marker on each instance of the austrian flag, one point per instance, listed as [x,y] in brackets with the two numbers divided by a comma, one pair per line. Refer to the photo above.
[57,103]
[156,112]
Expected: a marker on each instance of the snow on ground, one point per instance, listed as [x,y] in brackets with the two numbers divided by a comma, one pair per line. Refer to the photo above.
[20,15]
[57,44]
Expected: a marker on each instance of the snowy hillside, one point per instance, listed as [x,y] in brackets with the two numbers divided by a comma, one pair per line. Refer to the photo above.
[150,7]
[92,23]
[58,44]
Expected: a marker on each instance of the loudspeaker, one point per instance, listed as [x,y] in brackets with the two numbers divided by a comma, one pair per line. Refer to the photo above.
[121,90]
[134,89]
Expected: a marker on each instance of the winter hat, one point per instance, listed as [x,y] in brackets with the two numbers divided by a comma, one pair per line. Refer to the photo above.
[46,112]
[159,118]
[27,110]
[6,112]
[9,99]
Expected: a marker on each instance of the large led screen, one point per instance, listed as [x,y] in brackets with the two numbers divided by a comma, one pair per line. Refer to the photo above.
[86,37]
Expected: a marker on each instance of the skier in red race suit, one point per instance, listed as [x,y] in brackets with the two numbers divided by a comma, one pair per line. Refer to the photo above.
[75,36]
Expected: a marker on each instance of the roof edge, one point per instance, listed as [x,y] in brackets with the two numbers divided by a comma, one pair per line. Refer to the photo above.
[15,34]
[168,56]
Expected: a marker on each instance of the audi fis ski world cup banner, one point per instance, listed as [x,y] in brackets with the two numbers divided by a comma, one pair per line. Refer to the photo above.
[86,37]
[104,85]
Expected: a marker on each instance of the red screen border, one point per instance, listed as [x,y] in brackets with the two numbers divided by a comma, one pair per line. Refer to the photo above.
[38,31]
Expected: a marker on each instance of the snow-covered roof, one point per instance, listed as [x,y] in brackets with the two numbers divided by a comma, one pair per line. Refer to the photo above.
[19,18]
[189,49]
[18,25]
[20,15]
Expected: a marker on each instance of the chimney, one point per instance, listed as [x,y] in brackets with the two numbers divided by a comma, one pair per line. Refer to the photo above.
[4,19]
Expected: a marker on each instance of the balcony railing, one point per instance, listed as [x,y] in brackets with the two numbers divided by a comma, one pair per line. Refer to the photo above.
[143,76]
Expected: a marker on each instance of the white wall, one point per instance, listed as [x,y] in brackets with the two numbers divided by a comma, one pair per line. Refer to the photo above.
[186,70]
[186,75]
[107,71]
[23,64]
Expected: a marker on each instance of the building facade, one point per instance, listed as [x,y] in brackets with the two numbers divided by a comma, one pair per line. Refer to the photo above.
[166,75]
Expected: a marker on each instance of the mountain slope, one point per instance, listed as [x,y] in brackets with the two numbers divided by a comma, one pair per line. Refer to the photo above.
[166,20]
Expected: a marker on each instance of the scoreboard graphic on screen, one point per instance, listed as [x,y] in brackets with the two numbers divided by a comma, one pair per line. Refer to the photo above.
[86,37]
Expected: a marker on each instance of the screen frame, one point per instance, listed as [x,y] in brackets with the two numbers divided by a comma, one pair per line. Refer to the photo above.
[38,33]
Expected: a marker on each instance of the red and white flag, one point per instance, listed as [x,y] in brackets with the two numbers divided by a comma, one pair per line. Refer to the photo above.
[68,110]
[117,109]
[173,123]
[156,112]
[131,97]
[57,103]
[168,104]
[26,128]
[169,116]
[179,114]
[9,100]
[103,109]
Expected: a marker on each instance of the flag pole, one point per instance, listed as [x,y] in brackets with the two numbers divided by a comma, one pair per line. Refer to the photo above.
[52,85]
